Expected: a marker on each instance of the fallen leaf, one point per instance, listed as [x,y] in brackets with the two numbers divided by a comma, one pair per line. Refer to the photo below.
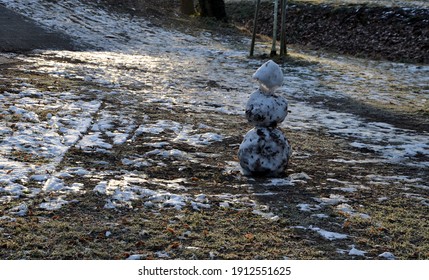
[347,224]
[249,236]
[174,245]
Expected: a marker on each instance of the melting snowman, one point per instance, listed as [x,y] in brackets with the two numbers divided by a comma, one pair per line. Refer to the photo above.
[265,150]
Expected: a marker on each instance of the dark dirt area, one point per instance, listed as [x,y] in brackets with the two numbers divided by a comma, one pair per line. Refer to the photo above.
[392,33]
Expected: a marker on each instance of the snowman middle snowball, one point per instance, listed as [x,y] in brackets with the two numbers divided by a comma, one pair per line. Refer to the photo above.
[266,110]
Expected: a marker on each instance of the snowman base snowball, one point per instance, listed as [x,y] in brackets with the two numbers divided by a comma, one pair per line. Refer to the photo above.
[264,152]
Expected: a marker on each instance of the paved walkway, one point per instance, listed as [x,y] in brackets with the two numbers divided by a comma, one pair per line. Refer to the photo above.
[18,33]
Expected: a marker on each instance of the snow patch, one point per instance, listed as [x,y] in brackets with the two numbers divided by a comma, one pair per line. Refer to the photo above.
[330,235]
[355,252]
[387,255]
[53,203]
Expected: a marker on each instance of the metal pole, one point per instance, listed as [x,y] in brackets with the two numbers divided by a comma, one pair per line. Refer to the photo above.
[252,46]
[276,10]
[283,50]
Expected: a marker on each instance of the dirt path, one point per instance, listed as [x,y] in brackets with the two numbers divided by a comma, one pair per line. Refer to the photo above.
[19,33]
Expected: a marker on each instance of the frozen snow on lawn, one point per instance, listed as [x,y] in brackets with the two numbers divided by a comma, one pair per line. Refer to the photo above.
[136,162]
[92,141]
[330,235]
[114,126]
[183,133]
[173,153]
[391,143]
[347,209]
[53,203]
[121,193]
[387,255]
[20,210]
[136,257]
[267,215]
[331,200]
[53,184]
[291,180]
[307,207]
[35,146]
[158,127]
[320,216]
[26,115]
[355,252]
[198,139]
[57,190]
[119,68]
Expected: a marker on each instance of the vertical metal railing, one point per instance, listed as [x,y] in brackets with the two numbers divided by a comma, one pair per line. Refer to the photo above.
[283,47]
[252,45]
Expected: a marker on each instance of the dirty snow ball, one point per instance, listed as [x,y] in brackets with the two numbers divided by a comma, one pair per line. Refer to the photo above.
[264,152]
[266,110]
[269,76]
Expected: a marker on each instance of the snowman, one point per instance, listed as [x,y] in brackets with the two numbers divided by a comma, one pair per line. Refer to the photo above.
[265,150]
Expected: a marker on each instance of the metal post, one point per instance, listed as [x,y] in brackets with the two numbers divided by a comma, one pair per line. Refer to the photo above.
[252,46]
[283,50]
[276,10]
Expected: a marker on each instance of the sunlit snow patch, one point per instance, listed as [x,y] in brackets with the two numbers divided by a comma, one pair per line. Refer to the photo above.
[54,203]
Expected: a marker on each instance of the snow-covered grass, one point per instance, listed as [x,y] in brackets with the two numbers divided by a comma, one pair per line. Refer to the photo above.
[138,134]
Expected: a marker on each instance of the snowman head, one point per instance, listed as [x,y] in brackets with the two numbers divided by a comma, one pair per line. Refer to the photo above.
[269,76]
